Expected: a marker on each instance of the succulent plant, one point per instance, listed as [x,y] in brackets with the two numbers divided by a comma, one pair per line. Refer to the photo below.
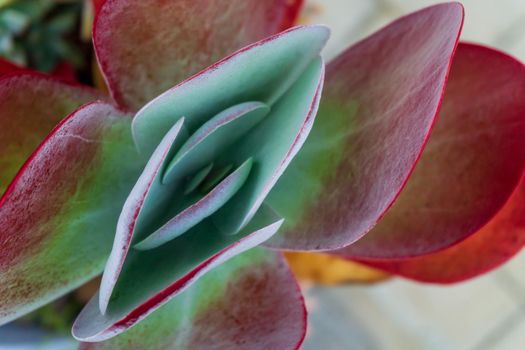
[184,184]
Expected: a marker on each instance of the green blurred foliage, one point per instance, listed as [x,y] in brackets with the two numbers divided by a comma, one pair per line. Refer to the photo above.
[40,34]
[56,317]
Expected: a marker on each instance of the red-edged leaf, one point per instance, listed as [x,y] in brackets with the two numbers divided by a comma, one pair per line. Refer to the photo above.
[58,216]
[96,4]
[31,104]
[495,243]
[380,101]
[250,302]
[465,192]
[471,165]
[147,198]
[250,74]
[145,47]
[149,279]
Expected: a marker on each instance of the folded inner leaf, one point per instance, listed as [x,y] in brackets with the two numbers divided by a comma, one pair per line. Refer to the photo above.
[198,211]
[250,302]
[151,278]
[197,179]
[262,72]
[213,138]
[272,144]
[140,212]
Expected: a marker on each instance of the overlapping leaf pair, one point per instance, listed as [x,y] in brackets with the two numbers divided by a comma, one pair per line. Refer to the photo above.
[204,171]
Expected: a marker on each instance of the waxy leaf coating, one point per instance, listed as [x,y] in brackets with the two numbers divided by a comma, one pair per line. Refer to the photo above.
[198,211]
[59,213]
[273,144]
[381,98]
[150,278]
[250,302]
[471,165]
[199,176]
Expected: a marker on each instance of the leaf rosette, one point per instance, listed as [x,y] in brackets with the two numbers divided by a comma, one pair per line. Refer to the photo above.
[215,146]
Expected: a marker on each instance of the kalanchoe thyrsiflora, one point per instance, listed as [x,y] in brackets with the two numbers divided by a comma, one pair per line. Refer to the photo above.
[216,144]
[202,172]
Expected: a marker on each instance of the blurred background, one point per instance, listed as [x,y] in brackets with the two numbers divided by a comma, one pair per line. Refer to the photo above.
[487,313]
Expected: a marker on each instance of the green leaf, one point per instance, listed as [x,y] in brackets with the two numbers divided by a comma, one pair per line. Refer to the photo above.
[249,302]
[194,213]
[213,138]
[261,72]
[151,278]
[58,216]
[272,144]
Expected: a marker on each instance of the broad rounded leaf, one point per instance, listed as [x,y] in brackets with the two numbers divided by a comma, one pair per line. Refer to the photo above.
[250,302]
[471,165]
[379,104]
[31,104]
[500,239]
[58,216]
[145,47]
